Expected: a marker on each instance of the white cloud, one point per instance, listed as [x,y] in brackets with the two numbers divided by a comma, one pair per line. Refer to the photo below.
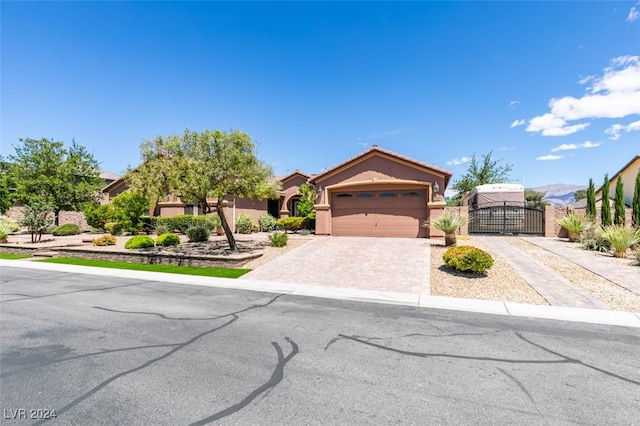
[634,15]
[517,123]
[589,144]
[549,157]
[551,125]
[571,146]
[564,147]
[616,129]
[457,162]
[614,94]
[514,103]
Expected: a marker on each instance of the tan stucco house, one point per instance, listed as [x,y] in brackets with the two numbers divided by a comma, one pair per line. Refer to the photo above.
[376,193]
[628,175]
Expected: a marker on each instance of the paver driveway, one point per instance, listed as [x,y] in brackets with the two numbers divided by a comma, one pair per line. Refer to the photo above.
[380,264]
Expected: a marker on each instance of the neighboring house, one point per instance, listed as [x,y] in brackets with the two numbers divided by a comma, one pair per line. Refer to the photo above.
[375,193]
[628,175]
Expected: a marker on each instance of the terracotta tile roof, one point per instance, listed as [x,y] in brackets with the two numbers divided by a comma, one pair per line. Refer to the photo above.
[376,148]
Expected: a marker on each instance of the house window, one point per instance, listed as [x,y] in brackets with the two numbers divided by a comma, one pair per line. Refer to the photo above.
[411,194]
[344,195]
[388,194]
[365,195]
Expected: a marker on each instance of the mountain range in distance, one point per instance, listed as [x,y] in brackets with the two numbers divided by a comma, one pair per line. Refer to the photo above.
[559,194]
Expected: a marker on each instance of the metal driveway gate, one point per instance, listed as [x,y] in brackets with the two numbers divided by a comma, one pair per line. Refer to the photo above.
[506,218]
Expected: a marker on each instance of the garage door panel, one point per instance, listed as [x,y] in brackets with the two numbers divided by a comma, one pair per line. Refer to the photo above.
[379,215]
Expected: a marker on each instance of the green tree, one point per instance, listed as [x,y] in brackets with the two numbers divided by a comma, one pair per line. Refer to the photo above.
[635,202]
[618,204]
[199,165]
[591,201]
[306,206]
[535,199]
[44,171]
[605,209]
[480,172]
[5,185]
[580,194]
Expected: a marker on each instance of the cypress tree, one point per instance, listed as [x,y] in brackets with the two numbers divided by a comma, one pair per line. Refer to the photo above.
[605,209]
[619,206]
[635,203]
[591,201]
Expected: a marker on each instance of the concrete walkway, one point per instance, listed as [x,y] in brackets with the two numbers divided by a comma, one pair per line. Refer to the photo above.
[556,289]
[397,265]
[620,276]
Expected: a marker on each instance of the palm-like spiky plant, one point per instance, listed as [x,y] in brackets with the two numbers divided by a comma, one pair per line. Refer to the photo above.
[621,238]
[448,222]
[574,225]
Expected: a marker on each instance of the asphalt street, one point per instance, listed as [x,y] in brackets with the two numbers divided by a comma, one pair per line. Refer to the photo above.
[100,350]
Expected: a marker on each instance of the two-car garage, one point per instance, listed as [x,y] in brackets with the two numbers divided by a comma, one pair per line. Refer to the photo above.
[378,193]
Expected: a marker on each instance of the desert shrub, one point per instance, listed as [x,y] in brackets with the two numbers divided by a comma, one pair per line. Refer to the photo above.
[7,226]
[66,229]
[290,223]
[198,233]
[10,224]
[129,207]
[163,228]
[278,239]
[267,222]
[244,224]
[467,259]
[38,218]
[114,228]
[448,222]
[97,215]
[573,223]
[139,241]
[621,238]
[592,239]
[4,231]
[106,240]
[168,239]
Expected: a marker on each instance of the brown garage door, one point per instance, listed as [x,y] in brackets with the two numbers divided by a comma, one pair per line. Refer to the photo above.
[389,213]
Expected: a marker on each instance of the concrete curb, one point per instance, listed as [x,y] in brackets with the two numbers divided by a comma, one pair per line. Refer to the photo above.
[592,316]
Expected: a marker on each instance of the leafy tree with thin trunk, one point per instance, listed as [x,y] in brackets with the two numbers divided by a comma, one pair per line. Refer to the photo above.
[44,170]
[591,201]
[580,194]
[201,165]
[605,209]
[535,199]
[635,202]
[480,172]
[307,200]
[618,204]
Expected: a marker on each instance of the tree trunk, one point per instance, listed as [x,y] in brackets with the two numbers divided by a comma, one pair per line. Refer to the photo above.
[450,240]
[225,225]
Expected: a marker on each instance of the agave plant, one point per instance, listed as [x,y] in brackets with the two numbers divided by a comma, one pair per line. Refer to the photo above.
[621,238]
[574,225]
[448,222]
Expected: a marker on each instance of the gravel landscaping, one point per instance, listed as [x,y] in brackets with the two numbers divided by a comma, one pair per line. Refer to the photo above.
[503,283]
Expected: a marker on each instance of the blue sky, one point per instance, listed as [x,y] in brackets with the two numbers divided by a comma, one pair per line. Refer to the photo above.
[550,87]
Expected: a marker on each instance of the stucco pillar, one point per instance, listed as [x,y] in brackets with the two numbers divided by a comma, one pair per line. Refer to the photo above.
[323,219]
[435,210]
[550,221]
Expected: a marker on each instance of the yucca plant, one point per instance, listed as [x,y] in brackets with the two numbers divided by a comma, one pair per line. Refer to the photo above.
[448,222]
[574,225]
[621,238]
